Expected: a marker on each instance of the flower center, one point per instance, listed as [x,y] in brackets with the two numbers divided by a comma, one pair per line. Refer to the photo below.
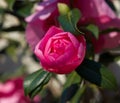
[59,46]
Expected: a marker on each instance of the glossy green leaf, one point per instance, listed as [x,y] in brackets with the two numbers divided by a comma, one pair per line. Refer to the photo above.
[28,81]
[69,21]
[94,29]
[69,92]
[35,91]
[63,8]
[35,81]
[97,74]
[39,88]
[78,95]
[71,86]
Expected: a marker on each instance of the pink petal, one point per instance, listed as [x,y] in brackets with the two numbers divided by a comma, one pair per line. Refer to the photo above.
[107,41]
[94,8]
[51,32]
[105,22]
[43,10]
[82,47]
[34,33]
[40,21]
[97,12]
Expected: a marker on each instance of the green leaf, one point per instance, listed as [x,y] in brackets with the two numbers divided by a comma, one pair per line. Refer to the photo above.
[35,91]
[94,29]
[68,93]
[10,3]
[63,8]
[97,74]
[34,82]
[70,88]
[71,79]
[39,88]
[28,81]
[70,20]
[78,95]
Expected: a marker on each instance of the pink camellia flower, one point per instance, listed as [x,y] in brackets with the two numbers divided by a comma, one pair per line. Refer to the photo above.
[12,92]
[60,52]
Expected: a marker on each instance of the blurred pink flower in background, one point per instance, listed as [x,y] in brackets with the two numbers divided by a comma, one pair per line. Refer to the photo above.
[93,12]
[60,52]
[106,41]
[99,13]
[39,22]
[12,92]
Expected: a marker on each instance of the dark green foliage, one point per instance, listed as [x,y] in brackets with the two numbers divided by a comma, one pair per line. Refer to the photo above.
[34,82]
[97,74]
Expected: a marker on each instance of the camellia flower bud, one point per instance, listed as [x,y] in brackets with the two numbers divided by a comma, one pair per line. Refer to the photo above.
[60,52]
